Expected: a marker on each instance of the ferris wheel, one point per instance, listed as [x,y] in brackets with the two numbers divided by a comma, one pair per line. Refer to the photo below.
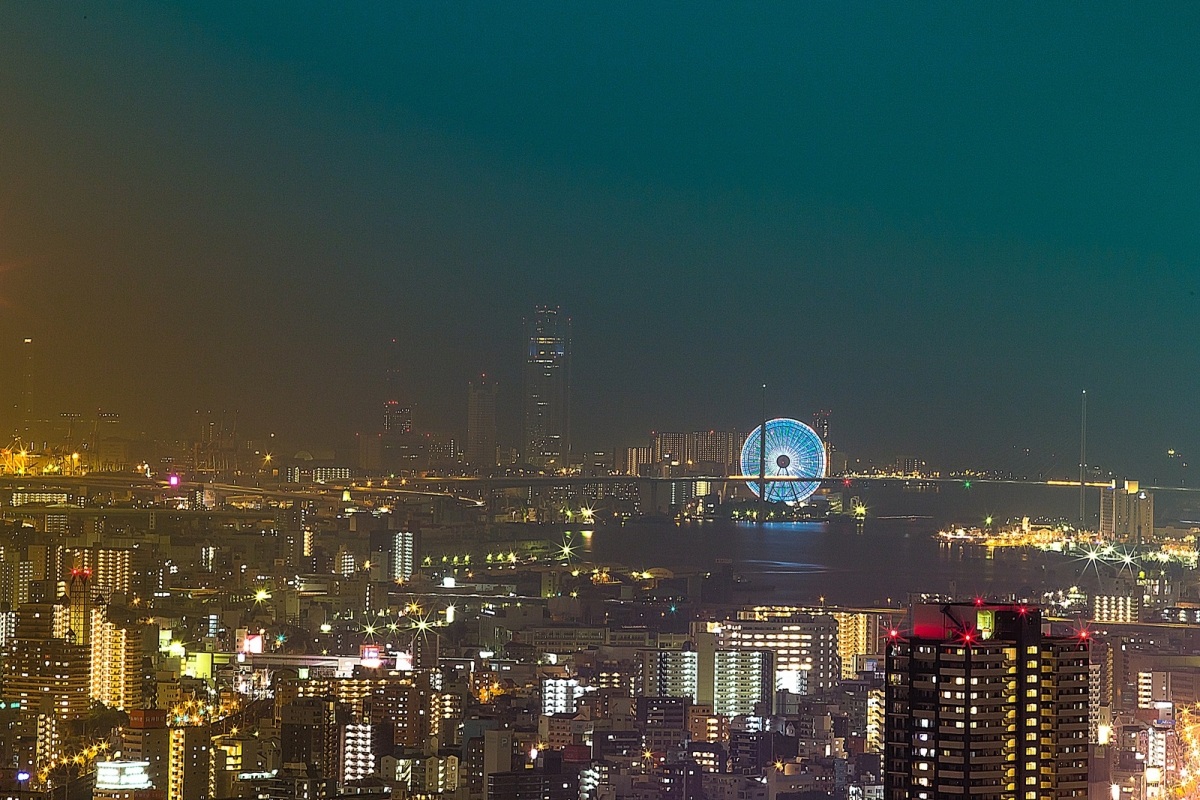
[792,450]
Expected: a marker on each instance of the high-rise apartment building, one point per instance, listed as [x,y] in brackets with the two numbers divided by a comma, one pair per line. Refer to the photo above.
[981,703]
[481,423]
[402,553]
[805,647]
[189,763]
[636,458]
[109,570]
[1126,513]
[721,449]
[309,734]
[547,402]
[671,447]
[709,451]
[729,682]
[116,664]
[43,671]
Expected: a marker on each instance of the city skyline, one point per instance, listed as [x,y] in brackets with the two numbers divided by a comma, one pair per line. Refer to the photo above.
[255,219]
[599,401]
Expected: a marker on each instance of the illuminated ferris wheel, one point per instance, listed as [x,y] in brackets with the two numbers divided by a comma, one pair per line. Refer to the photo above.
[793,450]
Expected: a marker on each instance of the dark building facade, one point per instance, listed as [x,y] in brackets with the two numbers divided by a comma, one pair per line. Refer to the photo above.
[982,703]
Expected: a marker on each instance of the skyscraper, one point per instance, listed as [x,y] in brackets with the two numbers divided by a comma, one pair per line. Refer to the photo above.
[397,409]
[821,424]
[397,417]
[481,423]
[981,703]
[548,388]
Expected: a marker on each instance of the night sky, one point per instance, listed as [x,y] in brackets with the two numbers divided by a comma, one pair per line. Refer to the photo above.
[941,221]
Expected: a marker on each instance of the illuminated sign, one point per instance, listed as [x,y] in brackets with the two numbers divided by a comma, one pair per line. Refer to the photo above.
[370,656]
[122,775]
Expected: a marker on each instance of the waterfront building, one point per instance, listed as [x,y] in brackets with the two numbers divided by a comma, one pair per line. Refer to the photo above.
[636,458]
[1127,513]
[981,703]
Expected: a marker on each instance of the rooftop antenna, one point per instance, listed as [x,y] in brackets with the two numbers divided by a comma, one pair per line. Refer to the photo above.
[762,461]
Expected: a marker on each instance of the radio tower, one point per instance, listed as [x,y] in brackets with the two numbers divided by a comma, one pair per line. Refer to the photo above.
[25,402]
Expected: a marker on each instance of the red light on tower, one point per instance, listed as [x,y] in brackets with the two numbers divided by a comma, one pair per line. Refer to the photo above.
[978,601]
[893,634]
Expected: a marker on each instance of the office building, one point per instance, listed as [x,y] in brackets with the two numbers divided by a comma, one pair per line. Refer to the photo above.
[547,401]
[237,754]
[820,424]
[397,418]
[481,450]
[1126,513]
[123,780]
[147,738]
[663,723]
[981,703]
